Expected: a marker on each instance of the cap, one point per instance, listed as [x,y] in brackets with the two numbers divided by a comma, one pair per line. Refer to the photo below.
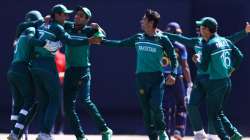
[60,8]
[207,22]
[173,27]
[33,16]
[85,10]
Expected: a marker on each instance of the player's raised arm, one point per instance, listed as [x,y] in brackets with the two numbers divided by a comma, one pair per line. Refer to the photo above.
[236,37]
[190,42]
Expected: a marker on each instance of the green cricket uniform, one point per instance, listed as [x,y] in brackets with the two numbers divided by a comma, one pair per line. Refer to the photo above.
[21,84]
[149,77]
[220,56]
[45,74]
[200,88]
[77,80]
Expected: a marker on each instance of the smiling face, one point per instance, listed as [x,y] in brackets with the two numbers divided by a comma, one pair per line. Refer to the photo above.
[205,33]
[81,18]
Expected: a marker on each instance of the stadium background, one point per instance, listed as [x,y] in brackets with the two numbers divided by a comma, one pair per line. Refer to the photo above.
[113,84]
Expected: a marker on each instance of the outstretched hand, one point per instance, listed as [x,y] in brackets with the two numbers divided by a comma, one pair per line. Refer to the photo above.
[170,80]
[196,58]
[247,27]
[94,25]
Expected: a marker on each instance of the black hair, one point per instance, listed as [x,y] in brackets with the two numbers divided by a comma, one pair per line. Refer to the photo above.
[212,30]
[79,8]
[153,16]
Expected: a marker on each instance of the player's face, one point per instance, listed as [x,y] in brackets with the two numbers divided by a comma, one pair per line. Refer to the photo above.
[145,24]
[204,31]
[80,18]
[61,17]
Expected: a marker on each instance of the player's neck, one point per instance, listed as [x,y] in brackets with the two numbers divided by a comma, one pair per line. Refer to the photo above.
[207,36]
[150,32]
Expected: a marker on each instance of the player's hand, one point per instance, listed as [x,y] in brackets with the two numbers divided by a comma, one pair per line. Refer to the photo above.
[47,19]
[170,80]
[95,40]
[247,27]
[94,25]
[196,58]
[189,90]
[231,71]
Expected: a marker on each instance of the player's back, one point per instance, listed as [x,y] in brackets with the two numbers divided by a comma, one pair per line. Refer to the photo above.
[220,55]
[23,48]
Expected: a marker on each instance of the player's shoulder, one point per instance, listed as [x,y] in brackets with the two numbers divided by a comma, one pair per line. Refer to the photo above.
[29,30]
[161,34]
[56,26]
[140,34]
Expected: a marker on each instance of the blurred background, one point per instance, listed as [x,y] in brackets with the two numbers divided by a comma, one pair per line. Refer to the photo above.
[113,69]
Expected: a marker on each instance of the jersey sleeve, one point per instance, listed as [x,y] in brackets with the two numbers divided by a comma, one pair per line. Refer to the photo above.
[237,56]
[236,37]
[128,42]
[189,42]
[64,37]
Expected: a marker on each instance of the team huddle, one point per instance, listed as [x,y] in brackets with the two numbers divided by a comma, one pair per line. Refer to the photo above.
[164,86]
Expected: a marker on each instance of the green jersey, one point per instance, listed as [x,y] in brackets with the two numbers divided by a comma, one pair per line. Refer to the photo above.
[78,56]
[150,50]
[56,32]
[196,43]
[23,47]
[220,56]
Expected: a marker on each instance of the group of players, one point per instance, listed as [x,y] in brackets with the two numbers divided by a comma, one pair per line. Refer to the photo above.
[161,66]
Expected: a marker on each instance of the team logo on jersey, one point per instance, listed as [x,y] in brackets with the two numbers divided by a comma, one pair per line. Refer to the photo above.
[147,49]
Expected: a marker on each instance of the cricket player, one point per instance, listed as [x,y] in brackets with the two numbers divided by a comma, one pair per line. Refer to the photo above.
[150,46]
[174,101]
[20,80]
[43,68]
[220,58]
[199,90]
[77,80]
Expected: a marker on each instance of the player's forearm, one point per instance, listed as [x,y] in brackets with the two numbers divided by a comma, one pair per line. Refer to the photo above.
[74,42]
[190,42]
[187,75]
[114,43]
[237,36]
[238,58]
[186,72]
